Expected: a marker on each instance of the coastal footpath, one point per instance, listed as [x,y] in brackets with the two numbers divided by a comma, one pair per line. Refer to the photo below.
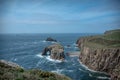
[12,71]
[102,53]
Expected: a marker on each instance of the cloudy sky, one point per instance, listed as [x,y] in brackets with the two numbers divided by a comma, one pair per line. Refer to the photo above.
[59,16]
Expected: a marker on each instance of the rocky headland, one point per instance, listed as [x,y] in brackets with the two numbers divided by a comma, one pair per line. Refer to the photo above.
[56,51]
[12,71]
[102,53]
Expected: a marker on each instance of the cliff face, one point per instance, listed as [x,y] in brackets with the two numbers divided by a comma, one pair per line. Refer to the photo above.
[105,60]
[99,56]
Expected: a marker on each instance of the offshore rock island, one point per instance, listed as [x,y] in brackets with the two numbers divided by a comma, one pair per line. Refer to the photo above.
[56,51]
[102,53]
[51,39]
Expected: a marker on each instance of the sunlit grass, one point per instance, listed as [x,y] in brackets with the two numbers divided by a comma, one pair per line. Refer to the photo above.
[108,40]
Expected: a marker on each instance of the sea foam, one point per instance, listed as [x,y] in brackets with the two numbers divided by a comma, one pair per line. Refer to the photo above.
[58,71]
[56,61]
[48,58]
[44,41]
[39,55]
[101,77]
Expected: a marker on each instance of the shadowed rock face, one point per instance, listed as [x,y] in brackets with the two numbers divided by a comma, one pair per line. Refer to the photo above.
[104,60]
[56,51]
[96,54]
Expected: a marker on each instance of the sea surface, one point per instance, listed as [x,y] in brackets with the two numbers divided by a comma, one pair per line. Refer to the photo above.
[26,49]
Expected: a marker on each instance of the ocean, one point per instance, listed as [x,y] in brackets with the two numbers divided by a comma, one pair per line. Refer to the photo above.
[26,49]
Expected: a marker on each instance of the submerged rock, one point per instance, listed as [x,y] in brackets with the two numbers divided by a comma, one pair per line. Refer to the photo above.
[68,46]
[51,39]
[56,51]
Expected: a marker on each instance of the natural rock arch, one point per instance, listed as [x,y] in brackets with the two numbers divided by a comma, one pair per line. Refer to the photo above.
[56,51]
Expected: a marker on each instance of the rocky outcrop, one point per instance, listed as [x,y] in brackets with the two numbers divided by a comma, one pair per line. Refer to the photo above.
[51,39]
[97,55]
[9,63]
[12,71]
[56,51]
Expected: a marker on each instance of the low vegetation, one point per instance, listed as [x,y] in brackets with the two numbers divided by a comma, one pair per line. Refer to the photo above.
[108,40]
[17,73]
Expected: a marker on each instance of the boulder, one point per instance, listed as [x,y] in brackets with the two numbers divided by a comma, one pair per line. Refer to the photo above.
[56,51]
[51,39]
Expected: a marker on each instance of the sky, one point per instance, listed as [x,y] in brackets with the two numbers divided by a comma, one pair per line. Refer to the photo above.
[59,16]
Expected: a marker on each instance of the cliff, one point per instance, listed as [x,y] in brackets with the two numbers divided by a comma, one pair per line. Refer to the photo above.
[102,53]
[12,71]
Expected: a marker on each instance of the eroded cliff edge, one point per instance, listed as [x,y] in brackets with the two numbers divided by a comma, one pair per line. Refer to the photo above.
[102,53]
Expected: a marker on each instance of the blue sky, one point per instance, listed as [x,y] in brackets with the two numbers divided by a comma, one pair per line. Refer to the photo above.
[59,16]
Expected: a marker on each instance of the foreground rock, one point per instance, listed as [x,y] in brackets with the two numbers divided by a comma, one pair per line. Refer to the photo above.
[9,63]
[102,53]
[56,51]
[12,71]
[51,39]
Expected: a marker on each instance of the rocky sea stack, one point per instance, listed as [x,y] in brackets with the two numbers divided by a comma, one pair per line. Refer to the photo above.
[56,51]
[51,39]
[12,71]
[102,53]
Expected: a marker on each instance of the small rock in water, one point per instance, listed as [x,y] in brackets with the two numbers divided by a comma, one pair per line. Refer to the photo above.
[68,45]
[51,39]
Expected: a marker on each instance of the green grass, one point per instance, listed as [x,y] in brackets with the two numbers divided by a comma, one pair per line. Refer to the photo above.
[112,36]
[111,39]
[17,73]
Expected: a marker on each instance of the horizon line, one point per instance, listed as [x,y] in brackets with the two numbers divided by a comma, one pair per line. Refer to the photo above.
[57,33]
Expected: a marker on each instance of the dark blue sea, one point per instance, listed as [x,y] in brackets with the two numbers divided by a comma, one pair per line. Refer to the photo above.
[25,50]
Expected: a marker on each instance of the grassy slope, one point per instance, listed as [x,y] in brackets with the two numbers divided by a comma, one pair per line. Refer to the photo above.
[16,73]
[110,39]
